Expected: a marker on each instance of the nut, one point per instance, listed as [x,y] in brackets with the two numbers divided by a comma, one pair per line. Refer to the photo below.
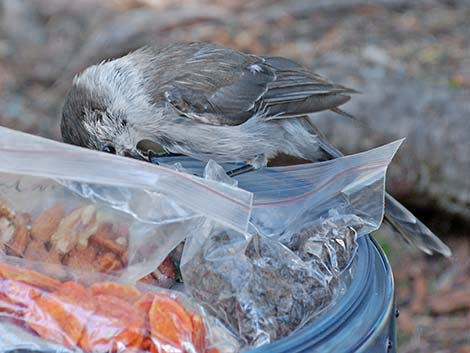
[36,251]
[75,229]
[47,223]
[21,237]
[7,224]
[105,238]
[82,259]
[14,230]
[107,263]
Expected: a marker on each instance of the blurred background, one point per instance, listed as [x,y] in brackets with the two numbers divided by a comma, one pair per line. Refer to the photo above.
[410,60]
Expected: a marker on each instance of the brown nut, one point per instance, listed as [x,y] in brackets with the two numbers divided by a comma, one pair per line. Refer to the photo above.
[47,223]
[107,263]
[105,238]
[75,229]
[57,270]
[82,259]
[53,257]
[36,251]
[21,237]
[22,234]
[7,224]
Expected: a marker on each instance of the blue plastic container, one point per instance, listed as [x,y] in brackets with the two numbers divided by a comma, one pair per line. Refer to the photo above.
[363,319]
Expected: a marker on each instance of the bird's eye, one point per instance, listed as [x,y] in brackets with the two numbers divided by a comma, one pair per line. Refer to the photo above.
[109,149]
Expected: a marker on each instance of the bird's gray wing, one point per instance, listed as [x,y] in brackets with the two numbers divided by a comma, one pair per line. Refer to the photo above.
[222,86]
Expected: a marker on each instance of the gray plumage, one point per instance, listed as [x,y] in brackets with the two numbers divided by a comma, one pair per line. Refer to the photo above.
[204,101]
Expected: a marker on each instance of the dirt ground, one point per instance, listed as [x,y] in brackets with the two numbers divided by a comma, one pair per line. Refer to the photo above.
[417,50]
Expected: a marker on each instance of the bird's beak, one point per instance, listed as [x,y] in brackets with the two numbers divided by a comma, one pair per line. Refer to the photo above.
[134,154]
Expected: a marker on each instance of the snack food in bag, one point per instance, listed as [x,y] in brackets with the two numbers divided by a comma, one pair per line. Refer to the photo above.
[91,211]
[98,314]
[294,262]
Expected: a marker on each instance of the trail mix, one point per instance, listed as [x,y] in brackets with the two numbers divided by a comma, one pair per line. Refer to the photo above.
[77,239]
[103,317]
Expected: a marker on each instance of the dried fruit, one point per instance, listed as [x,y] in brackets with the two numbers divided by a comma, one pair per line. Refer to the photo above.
[61,316]
[144,303]
[16,295]
[114,324]
[47,223]
[123,291]
[27,276]
[199,332]
[170,323]
[18,245]
[8,309]
[50,319]
[75,229]
[107,263]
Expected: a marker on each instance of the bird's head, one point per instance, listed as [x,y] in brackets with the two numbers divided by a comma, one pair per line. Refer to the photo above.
[88,121]
[102,113]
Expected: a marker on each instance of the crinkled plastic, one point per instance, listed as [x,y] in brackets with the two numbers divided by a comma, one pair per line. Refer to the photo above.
[289,267]
[89,210]
[95,313]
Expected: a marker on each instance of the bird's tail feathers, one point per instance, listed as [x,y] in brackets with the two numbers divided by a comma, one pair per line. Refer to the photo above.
[403,221]
[412,229]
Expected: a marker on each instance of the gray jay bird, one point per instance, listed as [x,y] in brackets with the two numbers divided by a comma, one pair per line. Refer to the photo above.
[210,102]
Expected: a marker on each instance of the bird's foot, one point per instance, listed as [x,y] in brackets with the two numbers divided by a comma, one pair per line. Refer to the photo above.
[258,162]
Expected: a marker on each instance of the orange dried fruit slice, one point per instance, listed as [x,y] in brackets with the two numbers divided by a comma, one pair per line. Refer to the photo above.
[114,324]
[75,292]
[142,308]
[61,316]
[170,325]
[123,291]
[144,303]
[15,296]
[199,332]
[17,292]
[54,321]
[28,276]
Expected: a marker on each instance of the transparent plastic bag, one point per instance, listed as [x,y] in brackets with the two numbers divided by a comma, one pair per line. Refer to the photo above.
[290,266]
[95,313]
[79,207]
